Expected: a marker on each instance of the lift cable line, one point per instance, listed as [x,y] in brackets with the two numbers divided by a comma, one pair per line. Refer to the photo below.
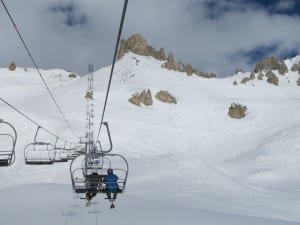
[28,118]
[113,64]
[38,70]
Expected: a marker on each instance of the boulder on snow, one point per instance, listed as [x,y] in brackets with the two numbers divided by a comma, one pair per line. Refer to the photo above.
[135,99]
[89,95]
[72,75]
[144,97]
[237,111]
[12,66]
[271,63]
[235,83]
[272,78]
[166,97]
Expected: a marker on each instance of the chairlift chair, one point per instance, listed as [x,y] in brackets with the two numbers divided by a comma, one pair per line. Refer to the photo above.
[61,154]
[9,136]
[73,151]
[89,177]
[38,152]
[88,171]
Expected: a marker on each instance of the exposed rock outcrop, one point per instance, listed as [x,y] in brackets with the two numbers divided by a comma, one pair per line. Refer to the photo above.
[260,76]
[245,80]
[187,68]
[138,45]
[272,78]
[271,63]
[296,67]
[72,75]
[12,66]
[144,97]
[89,95]
[166,97]
[298,82]
[238,70]
[237,111]
[252,76]
[170,64]
[205,75]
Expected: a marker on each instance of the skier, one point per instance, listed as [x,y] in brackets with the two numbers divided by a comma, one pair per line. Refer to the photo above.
[112,187]
[89,196]
[93,181]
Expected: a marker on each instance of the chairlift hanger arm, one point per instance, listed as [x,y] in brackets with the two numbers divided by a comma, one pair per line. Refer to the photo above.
[109,138]
[36,133]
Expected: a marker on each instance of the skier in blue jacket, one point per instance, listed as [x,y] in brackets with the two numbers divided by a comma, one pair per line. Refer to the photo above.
[112,187]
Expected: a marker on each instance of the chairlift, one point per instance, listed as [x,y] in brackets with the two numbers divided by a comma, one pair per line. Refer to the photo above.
[89,171]
[73,151]
[39,153]
[61,154]
[8,137]
[88,177]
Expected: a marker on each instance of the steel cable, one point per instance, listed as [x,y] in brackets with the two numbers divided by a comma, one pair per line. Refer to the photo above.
[113,64]
[38,70]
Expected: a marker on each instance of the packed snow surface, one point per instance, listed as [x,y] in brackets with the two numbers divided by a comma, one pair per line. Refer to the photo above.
[189,163]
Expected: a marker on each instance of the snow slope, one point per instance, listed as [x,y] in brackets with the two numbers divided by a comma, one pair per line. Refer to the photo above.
[188,162]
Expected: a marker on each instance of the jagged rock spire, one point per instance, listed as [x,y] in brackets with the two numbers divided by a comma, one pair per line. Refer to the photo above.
[138,45]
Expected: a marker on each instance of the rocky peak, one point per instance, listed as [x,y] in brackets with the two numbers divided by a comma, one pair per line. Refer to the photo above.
[271,63]
[138,45]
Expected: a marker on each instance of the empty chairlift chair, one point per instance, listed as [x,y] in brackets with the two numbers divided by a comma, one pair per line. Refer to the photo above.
[73,151]
[61,154]
[39,153]
[8,139]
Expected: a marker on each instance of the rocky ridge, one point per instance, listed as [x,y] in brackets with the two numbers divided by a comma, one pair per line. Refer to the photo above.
[269,69]
[138,45]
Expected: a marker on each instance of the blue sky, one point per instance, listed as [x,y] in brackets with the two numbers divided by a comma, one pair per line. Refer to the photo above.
[213,35]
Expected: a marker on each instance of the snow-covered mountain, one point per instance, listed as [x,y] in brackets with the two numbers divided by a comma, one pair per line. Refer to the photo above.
[189,162]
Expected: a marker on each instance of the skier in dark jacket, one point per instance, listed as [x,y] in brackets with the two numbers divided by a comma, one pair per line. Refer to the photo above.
[112,187]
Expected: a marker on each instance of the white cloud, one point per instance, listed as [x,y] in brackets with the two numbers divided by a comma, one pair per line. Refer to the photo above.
[182,27]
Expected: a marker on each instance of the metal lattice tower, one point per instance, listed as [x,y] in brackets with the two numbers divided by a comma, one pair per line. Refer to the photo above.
[90,110]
